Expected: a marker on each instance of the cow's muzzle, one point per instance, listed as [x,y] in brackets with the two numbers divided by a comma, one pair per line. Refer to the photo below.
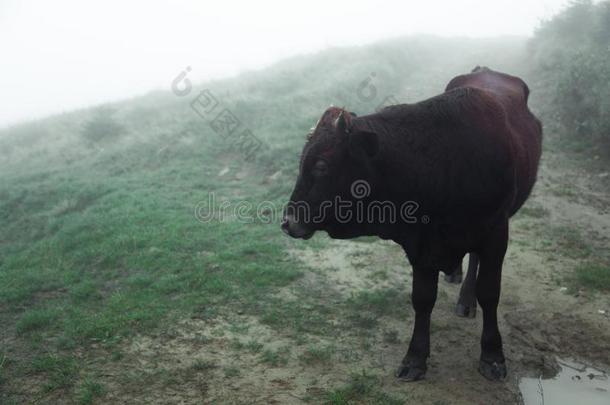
[294,229]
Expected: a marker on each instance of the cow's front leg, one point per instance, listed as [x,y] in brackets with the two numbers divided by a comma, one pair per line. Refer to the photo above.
[492,363]
[423,297]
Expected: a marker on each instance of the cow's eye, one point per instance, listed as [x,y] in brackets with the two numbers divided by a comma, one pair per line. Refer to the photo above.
[320,169]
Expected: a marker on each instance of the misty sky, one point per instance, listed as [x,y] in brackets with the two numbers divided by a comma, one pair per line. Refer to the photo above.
[59,55]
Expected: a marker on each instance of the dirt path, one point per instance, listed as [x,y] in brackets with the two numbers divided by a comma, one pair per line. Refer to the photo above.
[339,337]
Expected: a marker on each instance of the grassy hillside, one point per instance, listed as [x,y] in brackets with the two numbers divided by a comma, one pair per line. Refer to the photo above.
[99,236]
[100,241]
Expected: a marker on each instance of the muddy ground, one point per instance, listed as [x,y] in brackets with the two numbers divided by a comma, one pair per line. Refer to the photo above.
[239,357]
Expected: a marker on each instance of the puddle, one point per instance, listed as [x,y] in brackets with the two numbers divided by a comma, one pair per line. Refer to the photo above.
[576,383]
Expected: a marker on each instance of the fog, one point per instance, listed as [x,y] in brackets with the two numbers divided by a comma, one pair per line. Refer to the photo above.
[62,55]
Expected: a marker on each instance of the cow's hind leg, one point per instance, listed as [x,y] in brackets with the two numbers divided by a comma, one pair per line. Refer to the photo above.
[456,276]
[467,302]
[423,297]
[492,364]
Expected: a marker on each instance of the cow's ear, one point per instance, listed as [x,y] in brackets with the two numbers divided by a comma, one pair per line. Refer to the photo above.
[343,123]
[363,144]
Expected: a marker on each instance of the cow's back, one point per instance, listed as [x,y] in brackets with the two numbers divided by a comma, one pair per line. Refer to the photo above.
[525,129]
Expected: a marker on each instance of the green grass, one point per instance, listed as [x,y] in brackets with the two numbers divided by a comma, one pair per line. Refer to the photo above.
[3,361]
[294,317]
[534,211]
[317,354]
[253,346]
[591,270]
[364,309]
[362,388]
[386,302]
[231,372]
[61,371]
[363,321]
[277,357]
[592,275]
[391,336]
[565,241]
[127,257]
[36,320]
[89,390]
[203,365]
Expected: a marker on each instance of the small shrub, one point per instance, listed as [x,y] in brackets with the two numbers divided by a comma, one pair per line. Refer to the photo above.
[572,65]
[102,127]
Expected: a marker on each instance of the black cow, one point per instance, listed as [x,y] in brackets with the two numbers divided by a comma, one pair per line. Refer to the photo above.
[454,168]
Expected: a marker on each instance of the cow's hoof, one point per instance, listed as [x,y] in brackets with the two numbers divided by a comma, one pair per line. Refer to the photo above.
[466,311]
[410,373]
[454,278]
[493,371]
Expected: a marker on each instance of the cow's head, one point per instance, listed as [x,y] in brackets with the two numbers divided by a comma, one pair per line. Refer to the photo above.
[335,168]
